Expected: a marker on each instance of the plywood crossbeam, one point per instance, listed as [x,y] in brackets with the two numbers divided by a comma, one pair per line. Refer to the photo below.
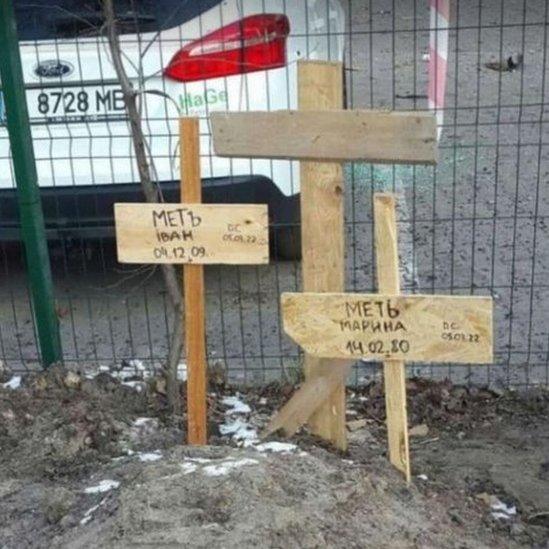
[327,135]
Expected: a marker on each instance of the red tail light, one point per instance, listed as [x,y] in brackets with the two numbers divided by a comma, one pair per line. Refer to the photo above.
[255,43]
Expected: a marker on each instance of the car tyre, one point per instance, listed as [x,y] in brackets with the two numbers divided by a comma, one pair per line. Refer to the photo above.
[287,243]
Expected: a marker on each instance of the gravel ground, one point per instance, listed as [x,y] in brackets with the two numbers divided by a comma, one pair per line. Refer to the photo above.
[476,224]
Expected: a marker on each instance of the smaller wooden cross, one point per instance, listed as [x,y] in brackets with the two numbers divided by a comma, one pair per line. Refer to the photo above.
[391,327]
[192,234]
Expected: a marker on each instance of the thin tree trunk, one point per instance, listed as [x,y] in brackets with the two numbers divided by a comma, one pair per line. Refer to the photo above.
[151,193]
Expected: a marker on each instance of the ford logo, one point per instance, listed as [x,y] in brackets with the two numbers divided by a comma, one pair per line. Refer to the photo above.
[53,68]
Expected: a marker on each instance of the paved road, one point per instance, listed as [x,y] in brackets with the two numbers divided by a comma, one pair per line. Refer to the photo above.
[475,224]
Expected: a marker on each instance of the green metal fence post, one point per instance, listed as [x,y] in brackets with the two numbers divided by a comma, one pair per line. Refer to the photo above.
[30,208]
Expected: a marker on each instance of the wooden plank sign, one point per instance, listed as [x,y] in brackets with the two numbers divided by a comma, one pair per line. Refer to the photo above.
[327,135]
[415,328]
[192,233]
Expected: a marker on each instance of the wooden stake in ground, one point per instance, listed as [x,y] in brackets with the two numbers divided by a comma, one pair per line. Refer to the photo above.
[193,288]
[394,371]
[320,86]
[193,234]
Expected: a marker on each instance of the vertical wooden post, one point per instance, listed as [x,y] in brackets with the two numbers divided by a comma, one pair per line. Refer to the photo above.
[393,370]
[320,86]
[193,287]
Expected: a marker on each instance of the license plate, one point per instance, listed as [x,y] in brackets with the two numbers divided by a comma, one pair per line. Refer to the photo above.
[75,104]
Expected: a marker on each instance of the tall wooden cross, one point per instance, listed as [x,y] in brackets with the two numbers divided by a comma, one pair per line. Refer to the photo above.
[192,234]
[322,139]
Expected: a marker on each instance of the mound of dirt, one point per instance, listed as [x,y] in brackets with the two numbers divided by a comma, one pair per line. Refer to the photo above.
[98,462]
[60,423]
[242,498]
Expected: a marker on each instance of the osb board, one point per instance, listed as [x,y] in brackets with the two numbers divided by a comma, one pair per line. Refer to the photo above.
[422,328]
[192,233]
[332,136]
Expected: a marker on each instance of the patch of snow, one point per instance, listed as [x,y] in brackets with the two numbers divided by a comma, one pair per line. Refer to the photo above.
[276,447]
[101,369]
[188,468]
[13,383]
[102,487]
[500,506]
[145,421]
[236,406]
[88,514]
[225,467]
[126,374]
[131,369]
[134,384]
[200,460]
[263,401]
[239,430]
[137,365]
[85,520]
[181,371]
[501,510]
[149,456]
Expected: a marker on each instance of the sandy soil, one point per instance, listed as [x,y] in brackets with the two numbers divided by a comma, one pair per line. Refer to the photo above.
[93,462]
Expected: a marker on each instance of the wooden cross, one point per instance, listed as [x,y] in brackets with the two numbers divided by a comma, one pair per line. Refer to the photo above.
[192,234]
[321,138]
[391,327]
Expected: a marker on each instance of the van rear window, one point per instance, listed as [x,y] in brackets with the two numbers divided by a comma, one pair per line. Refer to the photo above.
[56,19]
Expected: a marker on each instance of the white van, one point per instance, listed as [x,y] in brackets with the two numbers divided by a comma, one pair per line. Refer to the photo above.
[188,58]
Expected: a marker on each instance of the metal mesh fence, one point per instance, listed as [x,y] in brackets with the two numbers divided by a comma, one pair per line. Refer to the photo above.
[474,224]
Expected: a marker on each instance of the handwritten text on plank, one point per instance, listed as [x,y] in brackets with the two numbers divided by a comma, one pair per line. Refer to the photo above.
[192,233]
[423,328]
